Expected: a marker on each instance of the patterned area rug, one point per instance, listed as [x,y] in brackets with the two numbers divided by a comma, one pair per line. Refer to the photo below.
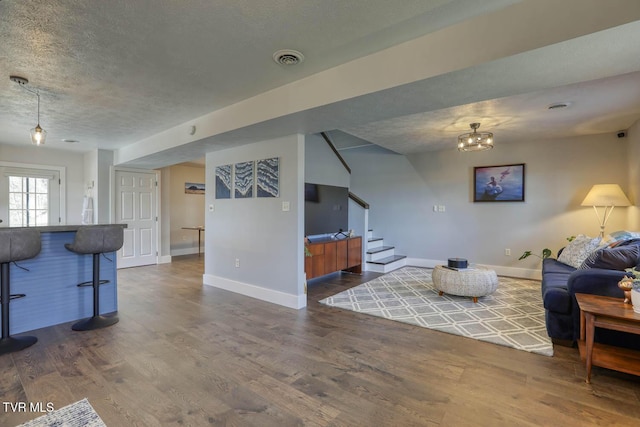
[79,414]
[513,316]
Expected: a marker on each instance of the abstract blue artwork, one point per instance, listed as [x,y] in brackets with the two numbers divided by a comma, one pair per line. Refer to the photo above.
[244,180]
[267,177]
[223,182]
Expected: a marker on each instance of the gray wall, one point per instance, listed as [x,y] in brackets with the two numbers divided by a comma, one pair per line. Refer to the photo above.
[267,240]
[403,189]
[321,165]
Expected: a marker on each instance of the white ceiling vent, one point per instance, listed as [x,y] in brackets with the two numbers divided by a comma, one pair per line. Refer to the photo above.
[288,57]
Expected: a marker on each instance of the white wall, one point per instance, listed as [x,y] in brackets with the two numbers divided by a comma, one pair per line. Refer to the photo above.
[91,180]
[71,161]
[267,241]
[185,210]
[165,215]
[97,164]
[403,189]
[633,136]
[102,189]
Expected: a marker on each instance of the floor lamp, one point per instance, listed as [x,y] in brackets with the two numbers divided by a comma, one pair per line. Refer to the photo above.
[607,196]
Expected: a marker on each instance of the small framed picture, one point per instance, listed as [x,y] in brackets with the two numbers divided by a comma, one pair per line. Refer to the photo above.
[503,183]
[193,188]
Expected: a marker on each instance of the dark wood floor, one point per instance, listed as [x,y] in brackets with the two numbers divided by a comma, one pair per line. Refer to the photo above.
[184,354]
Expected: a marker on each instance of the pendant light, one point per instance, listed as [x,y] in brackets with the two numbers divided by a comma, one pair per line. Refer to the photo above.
[38,135]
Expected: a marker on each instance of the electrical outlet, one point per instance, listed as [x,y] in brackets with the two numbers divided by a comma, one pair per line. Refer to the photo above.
[507,252]
[435,208]
[237,262]
[285,206]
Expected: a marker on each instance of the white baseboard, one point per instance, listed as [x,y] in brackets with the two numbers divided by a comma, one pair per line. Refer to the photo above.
[522,273]
[184,251]
[276,297]
[164,259]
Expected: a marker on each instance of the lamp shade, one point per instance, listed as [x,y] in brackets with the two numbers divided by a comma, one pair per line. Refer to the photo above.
[606,195]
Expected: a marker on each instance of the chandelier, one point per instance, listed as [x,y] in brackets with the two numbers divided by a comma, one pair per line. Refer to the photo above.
[475,141]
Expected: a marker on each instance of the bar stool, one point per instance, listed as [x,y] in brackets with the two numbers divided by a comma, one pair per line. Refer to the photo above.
[16,244]
[96,240]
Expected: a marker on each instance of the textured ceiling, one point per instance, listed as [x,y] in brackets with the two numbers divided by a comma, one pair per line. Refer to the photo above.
[130,75]
[600,106]
[113,72]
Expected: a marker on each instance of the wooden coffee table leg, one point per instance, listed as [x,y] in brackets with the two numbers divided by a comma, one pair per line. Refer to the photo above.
[440,293]
[590,332]
[475,299]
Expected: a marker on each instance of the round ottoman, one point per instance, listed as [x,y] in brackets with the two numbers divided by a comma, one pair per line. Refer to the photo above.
[469,282]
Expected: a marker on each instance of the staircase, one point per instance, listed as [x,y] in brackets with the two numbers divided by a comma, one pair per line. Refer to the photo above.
[382,258]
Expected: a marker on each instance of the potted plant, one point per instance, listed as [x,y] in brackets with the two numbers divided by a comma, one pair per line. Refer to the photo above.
[546,252]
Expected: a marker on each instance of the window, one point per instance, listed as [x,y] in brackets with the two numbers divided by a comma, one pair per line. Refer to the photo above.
[30,195]
[28,201]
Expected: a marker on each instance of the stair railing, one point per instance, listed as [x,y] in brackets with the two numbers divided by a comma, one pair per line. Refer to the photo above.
[359,222]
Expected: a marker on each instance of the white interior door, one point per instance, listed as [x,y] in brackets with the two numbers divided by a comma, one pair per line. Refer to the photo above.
[136,207]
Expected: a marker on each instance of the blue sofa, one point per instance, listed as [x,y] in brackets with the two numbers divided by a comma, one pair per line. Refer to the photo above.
[560,283]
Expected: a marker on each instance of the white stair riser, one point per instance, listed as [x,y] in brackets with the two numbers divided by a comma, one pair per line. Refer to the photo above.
[380,255]
[369,234]
[388,267]
[375,244]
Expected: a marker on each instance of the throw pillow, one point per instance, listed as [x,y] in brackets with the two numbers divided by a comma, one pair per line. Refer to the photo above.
[624,235]
[578,250]
[617,258]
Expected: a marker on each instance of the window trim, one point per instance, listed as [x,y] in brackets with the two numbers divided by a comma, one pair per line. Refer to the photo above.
[61,170]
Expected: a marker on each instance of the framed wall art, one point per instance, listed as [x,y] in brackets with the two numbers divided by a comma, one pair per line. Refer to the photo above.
[193,188]
[268,177]
[502,183]
[243,183]
[223,182]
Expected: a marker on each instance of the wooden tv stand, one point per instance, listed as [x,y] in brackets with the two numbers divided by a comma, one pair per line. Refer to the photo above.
[329,256]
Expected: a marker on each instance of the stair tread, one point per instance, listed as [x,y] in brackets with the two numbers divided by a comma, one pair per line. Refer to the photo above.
[380,249]
[374,239]
[388,260]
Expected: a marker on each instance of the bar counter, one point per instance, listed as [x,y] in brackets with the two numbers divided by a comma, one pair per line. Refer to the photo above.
[50,285]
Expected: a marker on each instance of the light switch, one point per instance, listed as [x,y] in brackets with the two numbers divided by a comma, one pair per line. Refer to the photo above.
[211,209]
[441,208]
[435,208]
[285,206]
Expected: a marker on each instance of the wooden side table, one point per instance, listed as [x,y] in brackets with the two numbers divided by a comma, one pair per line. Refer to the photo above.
[200,230]
[608,313]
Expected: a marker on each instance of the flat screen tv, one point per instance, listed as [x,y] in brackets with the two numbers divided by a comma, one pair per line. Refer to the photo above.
[326,209]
